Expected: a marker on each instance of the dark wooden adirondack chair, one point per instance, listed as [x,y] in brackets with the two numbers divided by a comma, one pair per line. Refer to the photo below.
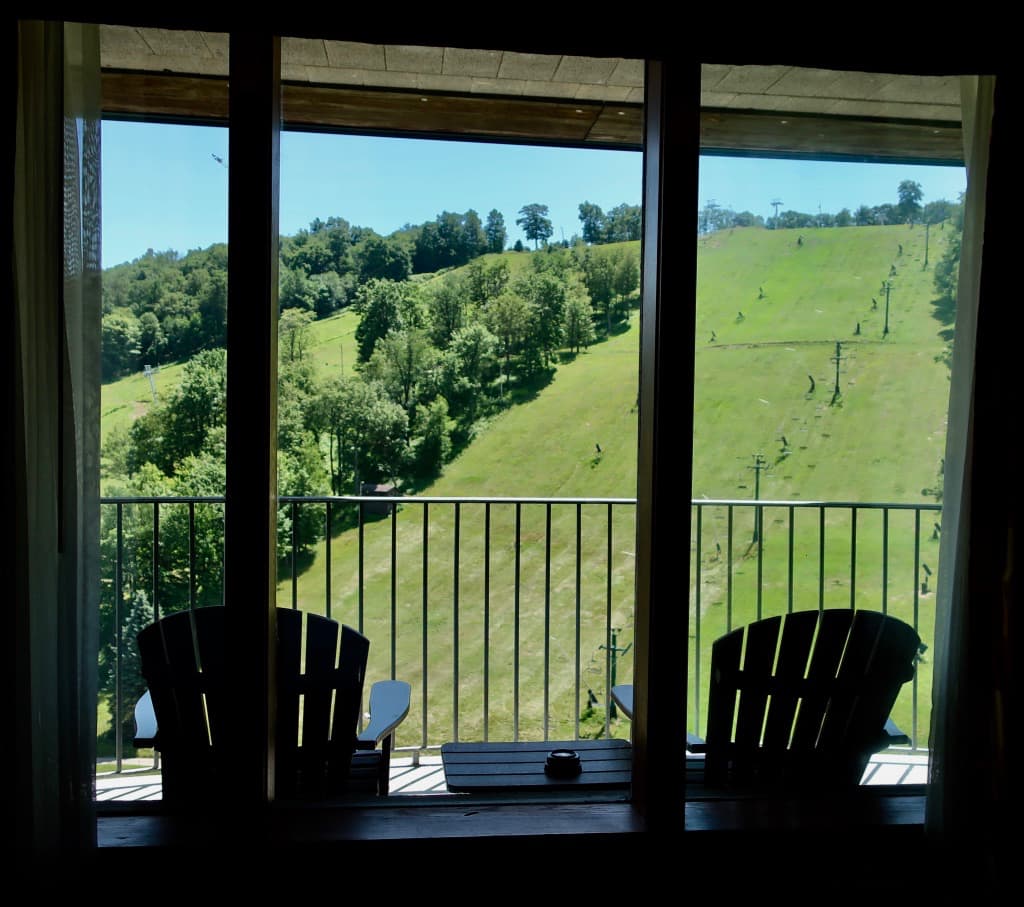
[318,752]
[802,701]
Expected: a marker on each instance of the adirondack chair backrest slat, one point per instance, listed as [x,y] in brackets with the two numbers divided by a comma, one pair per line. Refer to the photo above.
[322,661]
[289,668]
[725,666]
[833,629]
[210,641]
[809,702]
[875,666]
[347,703]
[794,651]
[758,662]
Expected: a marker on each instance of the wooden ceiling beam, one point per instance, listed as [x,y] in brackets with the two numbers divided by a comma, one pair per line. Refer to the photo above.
[779,134]
[327,108]
[536,120]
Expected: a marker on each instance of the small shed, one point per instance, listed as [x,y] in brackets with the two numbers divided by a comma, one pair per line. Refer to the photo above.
[383,508]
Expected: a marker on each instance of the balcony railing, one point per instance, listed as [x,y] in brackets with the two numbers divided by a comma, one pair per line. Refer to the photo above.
[513,617]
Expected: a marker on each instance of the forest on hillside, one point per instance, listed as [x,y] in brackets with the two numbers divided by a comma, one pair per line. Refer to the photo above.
[164,307]
[435,359]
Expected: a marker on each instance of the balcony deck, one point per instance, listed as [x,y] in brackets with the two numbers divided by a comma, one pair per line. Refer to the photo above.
[427,777]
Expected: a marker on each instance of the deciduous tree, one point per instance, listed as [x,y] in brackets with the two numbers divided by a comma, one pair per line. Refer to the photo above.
[293,334]
[367,431]
[383,258]
[910,194]
[545,293]
[508,318]
[592,218]
[579,325]
[401,363]
[384,306]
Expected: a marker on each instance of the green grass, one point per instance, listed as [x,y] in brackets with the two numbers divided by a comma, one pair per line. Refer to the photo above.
[881,439]
[123,401]
[560,461]
[332,343]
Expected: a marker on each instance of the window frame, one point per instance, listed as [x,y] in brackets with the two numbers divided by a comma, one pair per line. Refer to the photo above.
[672,137]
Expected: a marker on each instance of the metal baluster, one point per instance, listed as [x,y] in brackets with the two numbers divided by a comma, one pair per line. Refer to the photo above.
[192,554]
[577,691]
[885,560]
[547,617]
[328,527]
[118,596]
[455,623]
[426,661]
[487,617]
[853,558]
[792,537]
[156,561]
[609,645]
[295,555]
[394,589]
[697,616]
[821,557]
[515,646]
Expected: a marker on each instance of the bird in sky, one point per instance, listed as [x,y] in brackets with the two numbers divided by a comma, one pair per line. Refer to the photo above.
[219,160]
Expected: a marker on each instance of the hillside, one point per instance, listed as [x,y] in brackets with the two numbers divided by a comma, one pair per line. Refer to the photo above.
[882,439]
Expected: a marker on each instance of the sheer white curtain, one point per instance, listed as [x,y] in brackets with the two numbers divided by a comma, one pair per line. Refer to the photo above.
[971,717]
[54,467]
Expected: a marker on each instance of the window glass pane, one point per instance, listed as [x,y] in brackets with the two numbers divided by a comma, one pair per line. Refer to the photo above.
[459,329]
[164,248]
[504,370]
[825,306]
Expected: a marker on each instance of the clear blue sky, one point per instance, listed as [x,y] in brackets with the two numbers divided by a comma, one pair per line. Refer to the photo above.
[750,184]
[163,187]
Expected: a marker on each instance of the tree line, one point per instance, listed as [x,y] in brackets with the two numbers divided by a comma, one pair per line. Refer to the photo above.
[163,307]
[432,359]
[906,210]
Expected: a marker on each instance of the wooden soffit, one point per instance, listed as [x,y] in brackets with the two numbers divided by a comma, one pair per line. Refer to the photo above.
[574,122]
[366,110]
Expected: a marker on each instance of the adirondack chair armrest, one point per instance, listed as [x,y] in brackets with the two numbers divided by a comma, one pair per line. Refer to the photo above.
[145,722]
[622,695]
[389,704]
[896,737]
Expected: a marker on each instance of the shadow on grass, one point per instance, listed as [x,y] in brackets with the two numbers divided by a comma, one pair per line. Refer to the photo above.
[618,327]
[303,560]
[529,388]
[343,521]
[944,310]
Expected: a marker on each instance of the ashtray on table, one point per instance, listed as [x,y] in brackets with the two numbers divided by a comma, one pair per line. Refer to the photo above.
[562,764]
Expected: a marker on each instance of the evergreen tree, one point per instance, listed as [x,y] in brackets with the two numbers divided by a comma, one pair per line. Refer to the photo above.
[535,223]
[495,231]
